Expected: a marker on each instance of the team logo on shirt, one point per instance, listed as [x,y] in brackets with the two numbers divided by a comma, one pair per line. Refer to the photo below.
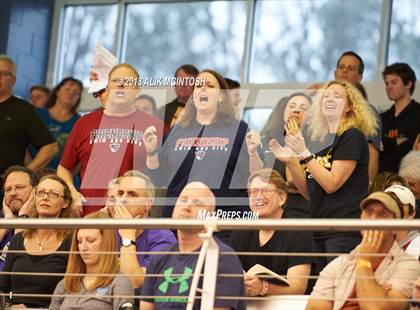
[199,154]
[324,161]
[393,133]
[181,280]
[114,147]
[115,137]
[202,144]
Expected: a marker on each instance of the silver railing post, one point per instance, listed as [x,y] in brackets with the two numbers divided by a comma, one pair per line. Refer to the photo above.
[210,269]
[209,256]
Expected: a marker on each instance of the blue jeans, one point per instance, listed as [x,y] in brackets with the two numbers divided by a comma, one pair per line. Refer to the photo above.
[338,244]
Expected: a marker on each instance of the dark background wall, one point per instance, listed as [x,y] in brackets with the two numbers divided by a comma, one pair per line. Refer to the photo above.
[24,36]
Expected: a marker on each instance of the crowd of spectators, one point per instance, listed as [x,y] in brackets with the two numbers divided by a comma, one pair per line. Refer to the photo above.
[325,152]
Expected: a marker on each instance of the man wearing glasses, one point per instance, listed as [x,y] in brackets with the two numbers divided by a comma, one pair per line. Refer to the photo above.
[267,196]
[18,200]
[20,125]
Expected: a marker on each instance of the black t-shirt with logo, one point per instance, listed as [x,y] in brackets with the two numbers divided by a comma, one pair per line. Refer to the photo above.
[176,273]
[343,203]
[214,154]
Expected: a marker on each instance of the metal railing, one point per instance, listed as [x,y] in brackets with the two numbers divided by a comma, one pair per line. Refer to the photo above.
[217,224]
[209,254]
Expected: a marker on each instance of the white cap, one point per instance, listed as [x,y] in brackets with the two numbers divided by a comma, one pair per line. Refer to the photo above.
[403,193]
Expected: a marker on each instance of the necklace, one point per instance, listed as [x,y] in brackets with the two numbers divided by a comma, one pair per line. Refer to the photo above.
[42,244]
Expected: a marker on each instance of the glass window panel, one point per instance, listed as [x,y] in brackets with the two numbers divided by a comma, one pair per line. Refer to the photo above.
[83,27]
[404,43]
[160,37]
[256,117]
[300,41]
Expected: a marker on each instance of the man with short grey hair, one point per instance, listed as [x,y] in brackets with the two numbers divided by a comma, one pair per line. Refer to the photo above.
[410,171]
[133,196]
[20,125]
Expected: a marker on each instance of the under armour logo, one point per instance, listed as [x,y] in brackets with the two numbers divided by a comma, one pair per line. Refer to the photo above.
[199,154]
[114,147]
[181,280]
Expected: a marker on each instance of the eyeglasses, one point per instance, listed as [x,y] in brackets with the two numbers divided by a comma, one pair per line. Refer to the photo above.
[41,193]
[17,188]
[6,73]
[263,191]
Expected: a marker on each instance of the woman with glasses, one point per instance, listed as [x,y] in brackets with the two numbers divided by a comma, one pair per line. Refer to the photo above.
[39,250]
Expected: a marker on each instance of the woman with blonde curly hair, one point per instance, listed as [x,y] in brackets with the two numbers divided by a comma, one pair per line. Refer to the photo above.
[336,166]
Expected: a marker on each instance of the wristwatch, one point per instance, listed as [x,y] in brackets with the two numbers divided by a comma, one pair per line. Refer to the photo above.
[128,242]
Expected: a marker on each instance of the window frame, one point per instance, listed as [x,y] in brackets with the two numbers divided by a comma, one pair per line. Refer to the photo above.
[55,50]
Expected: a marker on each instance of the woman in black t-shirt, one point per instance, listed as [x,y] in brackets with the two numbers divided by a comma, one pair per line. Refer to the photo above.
[38,248]
[294,106]
[336,177]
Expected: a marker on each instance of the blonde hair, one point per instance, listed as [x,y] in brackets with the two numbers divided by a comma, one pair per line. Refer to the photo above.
[108,263]
[225,111]
[361,114]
